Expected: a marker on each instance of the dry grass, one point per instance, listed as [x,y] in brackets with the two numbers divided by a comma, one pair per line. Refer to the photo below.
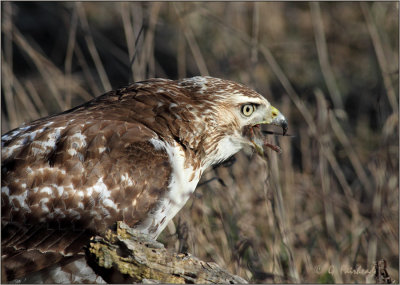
[329,203]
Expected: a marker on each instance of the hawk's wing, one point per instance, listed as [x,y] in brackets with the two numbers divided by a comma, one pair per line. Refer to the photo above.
[65,178]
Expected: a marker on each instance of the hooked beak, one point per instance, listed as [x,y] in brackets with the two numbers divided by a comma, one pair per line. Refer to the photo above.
[273,117]
[279,120]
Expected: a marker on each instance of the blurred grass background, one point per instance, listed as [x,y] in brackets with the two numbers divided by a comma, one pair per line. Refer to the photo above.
[329,203]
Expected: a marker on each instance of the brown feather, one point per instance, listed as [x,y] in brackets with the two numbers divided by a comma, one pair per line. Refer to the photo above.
[74,174]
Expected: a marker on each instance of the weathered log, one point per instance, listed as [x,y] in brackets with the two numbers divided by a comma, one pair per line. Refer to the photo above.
[129,256]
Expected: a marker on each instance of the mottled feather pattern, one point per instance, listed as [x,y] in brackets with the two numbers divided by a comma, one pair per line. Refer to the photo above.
[134,154]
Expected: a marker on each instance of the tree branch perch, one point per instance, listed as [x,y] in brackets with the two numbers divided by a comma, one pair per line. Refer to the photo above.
[129,256]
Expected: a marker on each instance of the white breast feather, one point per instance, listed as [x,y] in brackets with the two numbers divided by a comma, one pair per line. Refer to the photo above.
[180,188]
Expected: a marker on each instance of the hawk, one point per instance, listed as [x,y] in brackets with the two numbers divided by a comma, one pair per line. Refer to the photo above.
[134,154]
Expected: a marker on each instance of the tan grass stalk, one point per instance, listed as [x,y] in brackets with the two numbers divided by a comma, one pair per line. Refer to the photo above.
[13,115]
[128,30]
[44,66]
[350,151]
[138,64]
[191,40]
[92,47]
[92,83]
[21,95]
[323,55]
[69,55]
[380,54]
[181,56]
[8,56]
[284,225]
[36,98]
[148,46]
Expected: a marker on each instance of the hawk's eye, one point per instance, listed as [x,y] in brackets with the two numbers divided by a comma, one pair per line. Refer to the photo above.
[248,109]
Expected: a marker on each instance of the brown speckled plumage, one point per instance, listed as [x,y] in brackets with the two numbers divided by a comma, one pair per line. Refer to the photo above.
[122,156]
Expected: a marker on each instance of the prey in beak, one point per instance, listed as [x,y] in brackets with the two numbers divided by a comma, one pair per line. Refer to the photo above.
[256,135]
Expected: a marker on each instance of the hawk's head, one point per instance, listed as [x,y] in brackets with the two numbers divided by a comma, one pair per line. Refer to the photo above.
[210,118]
[234,114]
